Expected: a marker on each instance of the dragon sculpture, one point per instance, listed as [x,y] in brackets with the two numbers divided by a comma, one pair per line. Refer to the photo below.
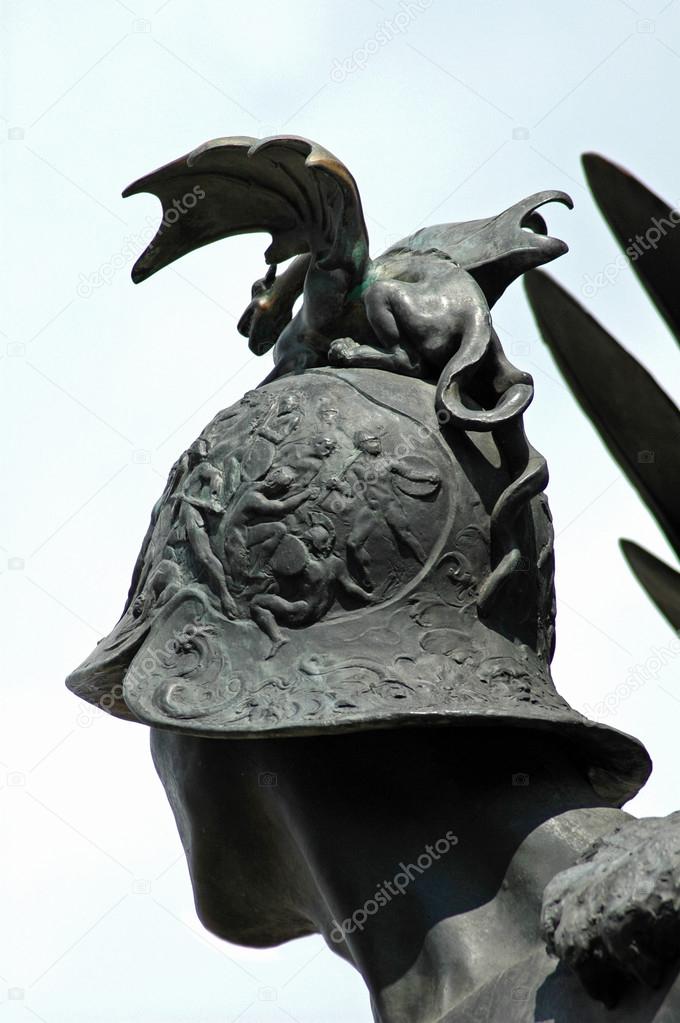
[422,308]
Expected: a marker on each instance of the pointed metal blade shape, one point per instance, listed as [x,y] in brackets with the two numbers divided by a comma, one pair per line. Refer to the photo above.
[635,418]
[646,228]
[661,582]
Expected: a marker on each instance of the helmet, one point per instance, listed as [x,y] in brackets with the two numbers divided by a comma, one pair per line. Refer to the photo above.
[354,594]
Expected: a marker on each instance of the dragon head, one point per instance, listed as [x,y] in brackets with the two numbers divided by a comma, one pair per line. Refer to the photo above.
[270,308]
[498,249]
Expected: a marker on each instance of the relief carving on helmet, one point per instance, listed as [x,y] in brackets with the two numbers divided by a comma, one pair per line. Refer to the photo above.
[285,514]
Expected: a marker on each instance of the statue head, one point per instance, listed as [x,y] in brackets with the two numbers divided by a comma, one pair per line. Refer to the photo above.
[270,308]
[320,540]
[441,583]
[368,441]
[324,446]
[259,320]
[199,450]
[279,480]
[289,402]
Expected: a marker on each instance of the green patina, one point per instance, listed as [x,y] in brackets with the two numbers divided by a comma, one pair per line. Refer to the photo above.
[369,277]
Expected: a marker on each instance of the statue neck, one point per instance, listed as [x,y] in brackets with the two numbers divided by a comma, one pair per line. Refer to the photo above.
[435,890]
[420,854]
[473,942]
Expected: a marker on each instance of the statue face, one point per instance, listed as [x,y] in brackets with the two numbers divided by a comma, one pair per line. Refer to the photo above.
[328,415]
[324,446]
[225,798]
[227,801]
[289,403]
[371,445]
[319,540]
[199,450]
[279,479]
[265,315]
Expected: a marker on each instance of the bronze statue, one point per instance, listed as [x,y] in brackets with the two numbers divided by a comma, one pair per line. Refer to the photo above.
[341,621]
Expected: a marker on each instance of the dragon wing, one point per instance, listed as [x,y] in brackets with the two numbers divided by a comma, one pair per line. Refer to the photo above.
[284,185]
[497,250]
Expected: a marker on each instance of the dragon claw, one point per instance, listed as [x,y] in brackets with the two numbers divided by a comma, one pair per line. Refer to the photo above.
[341,351]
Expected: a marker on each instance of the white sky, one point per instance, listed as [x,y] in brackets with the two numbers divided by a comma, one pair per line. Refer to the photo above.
[471,107]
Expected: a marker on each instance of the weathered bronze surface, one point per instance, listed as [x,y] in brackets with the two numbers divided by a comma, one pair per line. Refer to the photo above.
[363,545]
